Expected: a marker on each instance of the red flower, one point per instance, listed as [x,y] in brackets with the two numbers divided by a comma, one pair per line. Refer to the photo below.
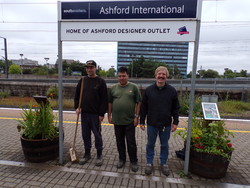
[229,145]
[199,146]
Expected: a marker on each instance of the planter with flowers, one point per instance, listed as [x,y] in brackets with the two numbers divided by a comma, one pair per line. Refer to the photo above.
[39,132]
[210,147]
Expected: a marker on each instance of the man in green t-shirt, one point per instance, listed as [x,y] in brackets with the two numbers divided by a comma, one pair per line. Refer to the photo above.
[123,108]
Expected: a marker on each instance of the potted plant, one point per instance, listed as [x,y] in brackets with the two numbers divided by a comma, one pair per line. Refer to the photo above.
[39,132]
[210,147]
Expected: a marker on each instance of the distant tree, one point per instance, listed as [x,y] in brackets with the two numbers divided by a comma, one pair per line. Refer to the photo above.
[148,69]
[52,71]
[211,74]
[229,74]
[65,66]
[140,67]
[98,69]
[189,75]
[103,73]
[243,73]
[78,66]
[205,74]
[15,69]
[135,67]
[174,71]
[2,65]
[43,70]
[201,73]
[68,71]
[111,72]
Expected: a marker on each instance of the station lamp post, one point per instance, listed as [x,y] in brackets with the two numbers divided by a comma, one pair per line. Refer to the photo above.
[21,62]
[6,59]
[47,64]
[46,59]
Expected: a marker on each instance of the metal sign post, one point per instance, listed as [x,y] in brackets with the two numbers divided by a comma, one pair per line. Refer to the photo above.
[60,96]
[192,94]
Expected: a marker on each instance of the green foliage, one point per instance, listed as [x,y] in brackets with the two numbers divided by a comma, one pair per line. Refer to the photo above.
[15,69]
[185,102]
[52,71]
[232,74]
[209,137]
[108,73]
[134,68]
[214,74]
[229,73]
[103,73]
[43,70]
[182,175]
[141,68]
[2,65]
[38,123]
[174,72]
[211,74]
[52,92]
[148,69]
[111,72]
[233,107]
[243,73]
[75,66]
[4,94]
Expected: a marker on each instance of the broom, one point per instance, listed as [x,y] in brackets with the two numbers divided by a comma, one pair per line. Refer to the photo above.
[72,151]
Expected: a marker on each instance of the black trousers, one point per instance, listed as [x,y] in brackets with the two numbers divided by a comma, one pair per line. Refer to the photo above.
[90,123]
[126,134]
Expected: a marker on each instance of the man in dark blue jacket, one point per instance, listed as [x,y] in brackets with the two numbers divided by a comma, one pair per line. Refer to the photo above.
[160,106]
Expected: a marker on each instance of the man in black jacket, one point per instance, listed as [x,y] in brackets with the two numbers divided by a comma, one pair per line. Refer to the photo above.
[93,107]
[160,106]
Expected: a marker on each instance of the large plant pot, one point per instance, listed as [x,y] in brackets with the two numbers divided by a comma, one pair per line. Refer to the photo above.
[208,165]
[40,150]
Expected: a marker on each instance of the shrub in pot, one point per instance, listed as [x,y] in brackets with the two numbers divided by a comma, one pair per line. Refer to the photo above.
[39,133]
[210,147]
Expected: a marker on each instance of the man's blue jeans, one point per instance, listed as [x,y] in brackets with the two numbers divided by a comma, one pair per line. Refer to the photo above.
[164,135]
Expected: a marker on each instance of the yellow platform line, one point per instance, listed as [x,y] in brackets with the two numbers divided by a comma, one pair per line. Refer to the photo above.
[235,131]
[108,124]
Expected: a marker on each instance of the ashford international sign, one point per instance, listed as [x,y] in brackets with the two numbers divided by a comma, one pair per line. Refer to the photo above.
[129,20]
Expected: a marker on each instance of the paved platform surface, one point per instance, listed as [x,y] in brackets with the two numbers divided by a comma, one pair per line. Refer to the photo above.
[16,172]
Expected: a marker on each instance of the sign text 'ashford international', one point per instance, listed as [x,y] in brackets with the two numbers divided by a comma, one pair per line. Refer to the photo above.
[129,9]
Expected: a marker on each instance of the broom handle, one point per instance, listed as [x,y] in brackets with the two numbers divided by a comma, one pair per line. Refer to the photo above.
[79,105]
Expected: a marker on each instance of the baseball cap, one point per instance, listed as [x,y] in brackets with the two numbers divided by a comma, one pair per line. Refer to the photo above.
[90,63]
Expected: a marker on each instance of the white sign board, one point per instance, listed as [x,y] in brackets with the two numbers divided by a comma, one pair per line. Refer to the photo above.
[210,111]
[182,31]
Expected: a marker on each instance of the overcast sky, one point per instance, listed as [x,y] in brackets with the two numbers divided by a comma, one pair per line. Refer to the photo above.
[30,27]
